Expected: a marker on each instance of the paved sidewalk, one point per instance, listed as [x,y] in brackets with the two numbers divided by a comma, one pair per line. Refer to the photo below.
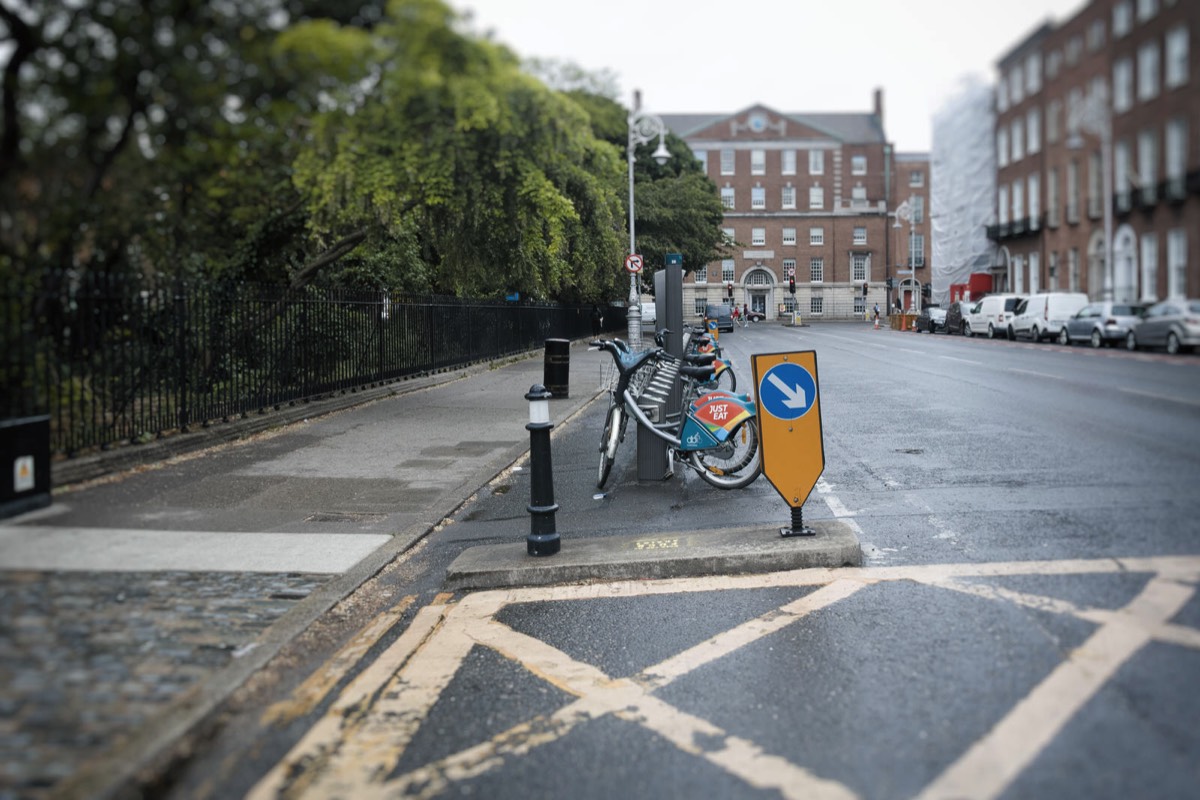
[136,603]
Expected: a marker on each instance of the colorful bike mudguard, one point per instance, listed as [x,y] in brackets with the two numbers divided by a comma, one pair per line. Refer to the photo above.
[712,418]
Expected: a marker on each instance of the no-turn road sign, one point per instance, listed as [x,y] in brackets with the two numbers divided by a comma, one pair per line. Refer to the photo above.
[789,422]
[633,263]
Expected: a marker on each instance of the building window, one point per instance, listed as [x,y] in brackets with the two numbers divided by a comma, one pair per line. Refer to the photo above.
[702,157]
[1175,72]
[860,305]
[1018,198]
[858,197]
[1053,64]
[860,234]
[1002,205]
[789,236]
[700,275]
[1053,118]
[727,162]
[1072,192]
[1018,273]
[787,197]
[787,162]
[1176,262]
[759,278]
[1072,51]
[1035,201]
[816,197]
[789,268]
[1002,96]
[1094,207]
[1002,147]
[916,178]
[1035,273]
[1146,9]
[1052,198]
[1033,73]
[1122,85]
[816,162]
[1074,107]
[1073,269]
[1149,244]
[1052,265]
[858,266]
[758,237]
[816,270]
[916,249]
[858,165]
[729,235]
[918,209]
[1033,131]
[1176,153]
[816,236]
[1147,83]
[1095,35]
[1016,84]
[758,197]
[1147,157]
[1018,139]
[758,162]
[1122,19]
[699,304]
[815,305]
[727,196]
[1121,170]
[727,270]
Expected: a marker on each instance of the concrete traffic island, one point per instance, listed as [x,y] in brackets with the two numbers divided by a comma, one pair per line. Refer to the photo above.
[656,555]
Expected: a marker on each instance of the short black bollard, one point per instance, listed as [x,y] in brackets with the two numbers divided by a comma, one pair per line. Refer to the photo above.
[556,369]
[543,539]
[798,528]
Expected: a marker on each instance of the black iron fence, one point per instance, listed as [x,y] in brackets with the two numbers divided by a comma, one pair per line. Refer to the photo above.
[118,360]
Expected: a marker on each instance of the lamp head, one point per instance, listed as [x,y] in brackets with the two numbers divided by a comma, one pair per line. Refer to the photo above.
[662,155]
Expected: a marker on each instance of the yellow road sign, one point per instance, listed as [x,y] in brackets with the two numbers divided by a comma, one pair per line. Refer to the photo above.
[789,422]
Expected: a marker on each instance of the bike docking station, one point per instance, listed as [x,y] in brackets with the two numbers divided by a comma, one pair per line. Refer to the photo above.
[789,422]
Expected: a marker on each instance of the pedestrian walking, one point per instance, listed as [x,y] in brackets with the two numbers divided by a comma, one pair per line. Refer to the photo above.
[597,320]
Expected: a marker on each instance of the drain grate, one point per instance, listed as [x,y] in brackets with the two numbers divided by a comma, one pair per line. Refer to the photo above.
[344,516]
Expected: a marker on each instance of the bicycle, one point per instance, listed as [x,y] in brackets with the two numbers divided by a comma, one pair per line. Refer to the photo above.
[716,434]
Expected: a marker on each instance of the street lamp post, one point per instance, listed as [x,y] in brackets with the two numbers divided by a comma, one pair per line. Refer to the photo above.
[1094,116]
[905,211]
[643,127]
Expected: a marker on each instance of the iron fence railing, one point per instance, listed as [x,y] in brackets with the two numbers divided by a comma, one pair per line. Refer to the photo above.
[123,360]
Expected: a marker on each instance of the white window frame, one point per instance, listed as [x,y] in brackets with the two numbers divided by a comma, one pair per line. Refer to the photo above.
[1122,19]
[1176,262]
[858,196]
[1018,139]
[789,268]
[1095,35]
[1035,272]
[1146,9]
[816,237]
[916,178]
[758,162]
[1033,131]
[1033,73]
[858,165]
[787,197]
[1147,71]
[1053,120]
[1002,147]
[860,264]
[1122,162]
[788,236]
[1002,207]
[730,235]
[1018,200]
[702,158]
[1149,266]
[816,197]
[860,234]
[700,276]
[1034,182]
[758,197]
[918,209]
[728,198]
[816,162]
[758,237]
[1147,162]
[816,269]
[816,305]
[1016,84]
[699,303]
[728,161]
[787,162]
[1122,85]
[1175,149]
[1052,201]
[1175,67]
[728,267]
[1002,95]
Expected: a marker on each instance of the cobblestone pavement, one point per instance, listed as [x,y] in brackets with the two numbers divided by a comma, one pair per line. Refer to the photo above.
[86,656]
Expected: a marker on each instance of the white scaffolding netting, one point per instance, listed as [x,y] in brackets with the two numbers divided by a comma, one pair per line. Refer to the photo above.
[962,186]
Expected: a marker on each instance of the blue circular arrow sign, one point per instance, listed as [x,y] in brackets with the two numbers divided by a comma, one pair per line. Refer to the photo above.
[787,391]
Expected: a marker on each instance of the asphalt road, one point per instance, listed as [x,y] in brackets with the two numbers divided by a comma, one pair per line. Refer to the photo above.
[1025,623]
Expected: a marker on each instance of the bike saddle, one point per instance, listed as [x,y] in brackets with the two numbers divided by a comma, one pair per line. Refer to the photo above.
[701,359]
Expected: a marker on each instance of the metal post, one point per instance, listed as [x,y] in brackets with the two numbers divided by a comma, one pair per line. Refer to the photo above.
[643,128]
[1105,124]
[543,539]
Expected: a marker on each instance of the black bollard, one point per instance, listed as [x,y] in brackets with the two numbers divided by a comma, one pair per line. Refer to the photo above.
[543,539]
[798,528]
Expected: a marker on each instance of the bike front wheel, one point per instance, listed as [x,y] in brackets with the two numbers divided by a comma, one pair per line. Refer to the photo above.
[609,439]
[726,381]
[736,463]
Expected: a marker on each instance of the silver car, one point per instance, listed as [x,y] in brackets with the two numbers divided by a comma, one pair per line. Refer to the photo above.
[1101,323]
[1173,324]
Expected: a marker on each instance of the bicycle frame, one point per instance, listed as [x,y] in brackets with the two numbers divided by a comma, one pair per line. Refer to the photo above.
[706,423]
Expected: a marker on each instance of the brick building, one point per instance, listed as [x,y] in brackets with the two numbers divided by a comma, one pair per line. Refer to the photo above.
[1108,99]
[807,195]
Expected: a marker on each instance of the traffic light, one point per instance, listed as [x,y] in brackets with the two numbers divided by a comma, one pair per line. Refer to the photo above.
[926,289]
[864,288]
[890,283]
[792,284]
[729,288]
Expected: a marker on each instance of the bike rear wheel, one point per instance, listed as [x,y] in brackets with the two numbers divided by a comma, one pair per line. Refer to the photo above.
[609,439]
[737,463]
[726,381]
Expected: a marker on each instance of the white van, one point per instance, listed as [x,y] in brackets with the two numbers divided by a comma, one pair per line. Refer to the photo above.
[1043,315]
[991,315]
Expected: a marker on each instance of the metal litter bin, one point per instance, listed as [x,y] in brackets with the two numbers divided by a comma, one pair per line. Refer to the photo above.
[556,372]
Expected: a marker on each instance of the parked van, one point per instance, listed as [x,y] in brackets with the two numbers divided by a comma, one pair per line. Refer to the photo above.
[1043,315]
[991,315]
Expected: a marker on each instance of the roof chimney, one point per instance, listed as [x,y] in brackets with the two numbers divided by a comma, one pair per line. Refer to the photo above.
[879,105]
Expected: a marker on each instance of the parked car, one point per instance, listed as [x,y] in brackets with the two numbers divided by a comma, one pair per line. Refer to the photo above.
[932,318]
[1043,315]
[956,316]
[1101,323]
[756,316]
[992,314]
[1173,324]
[722,313]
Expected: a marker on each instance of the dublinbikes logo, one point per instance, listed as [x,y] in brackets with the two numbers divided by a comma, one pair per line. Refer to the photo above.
[693,440]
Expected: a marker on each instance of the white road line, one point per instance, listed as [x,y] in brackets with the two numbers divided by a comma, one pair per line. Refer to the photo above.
[1184,400]
[963,360]
[1035,374]
[993,762]
[130,550]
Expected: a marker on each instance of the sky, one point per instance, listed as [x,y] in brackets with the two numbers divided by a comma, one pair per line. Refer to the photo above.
[721,56]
